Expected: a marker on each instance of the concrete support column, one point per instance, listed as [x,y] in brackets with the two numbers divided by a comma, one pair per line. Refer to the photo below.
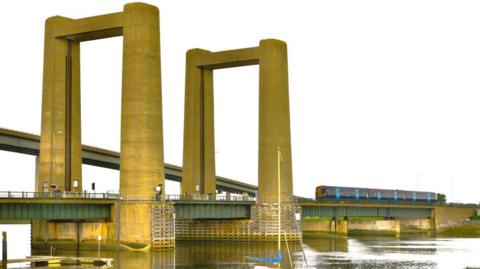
[199,141]
[60,157]
[274,122]
[141,160]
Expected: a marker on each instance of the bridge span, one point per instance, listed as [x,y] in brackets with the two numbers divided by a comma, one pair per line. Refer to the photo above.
[100,207]
[59,206]
[26,143]
[216,217]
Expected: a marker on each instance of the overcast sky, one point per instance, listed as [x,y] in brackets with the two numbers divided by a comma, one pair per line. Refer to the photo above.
[383,94]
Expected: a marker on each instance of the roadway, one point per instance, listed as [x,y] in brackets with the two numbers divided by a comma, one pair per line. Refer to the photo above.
[27,143]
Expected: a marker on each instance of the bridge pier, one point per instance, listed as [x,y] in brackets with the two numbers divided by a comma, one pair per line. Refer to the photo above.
[393,227]
[71,235]
[374,227]
[339,227]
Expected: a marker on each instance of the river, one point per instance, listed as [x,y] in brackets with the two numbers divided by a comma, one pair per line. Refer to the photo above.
[364,252]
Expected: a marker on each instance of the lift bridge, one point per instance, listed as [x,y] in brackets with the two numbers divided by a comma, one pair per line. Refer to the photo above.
[24,206]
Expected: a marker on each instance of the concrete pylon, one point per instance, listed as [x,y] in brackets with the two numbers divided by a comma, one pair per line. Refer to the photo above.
[60,142]
[141,160]
[199,143]
[274,123]
[274,118]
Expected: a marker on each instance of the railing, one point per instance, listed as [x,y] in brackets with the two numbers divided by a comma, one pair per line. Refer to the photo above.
[208,197]
[61,195]
[191,197]
[204,197]
[125,198]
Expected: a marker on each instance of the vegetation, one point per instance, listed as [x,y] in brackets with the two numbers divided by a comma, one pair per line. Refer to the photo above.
[313,219]
[365,218]
[441,198]
[474,218]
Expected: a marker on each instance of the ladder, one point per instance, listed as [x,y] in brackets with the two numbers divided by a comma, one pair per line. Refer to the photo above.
[163,226]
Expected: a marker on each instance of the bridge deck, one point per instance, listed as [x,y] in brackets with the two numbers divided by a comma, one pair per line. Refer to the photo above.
[26,143]
[18,206]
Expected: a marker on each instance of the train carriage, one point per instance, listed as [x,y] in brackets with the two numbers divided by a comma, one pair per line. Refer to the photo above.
[373,194]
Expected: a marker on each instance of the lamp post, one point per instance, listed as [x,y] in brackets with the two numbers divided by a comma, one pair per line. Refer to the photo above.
[158,190]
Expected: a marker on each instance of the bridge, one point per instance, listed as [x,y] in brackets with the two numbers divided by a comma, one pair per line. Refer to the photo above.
[194,212]
[345,208]
[141,215]
[24,207]
[97,207]
[26,143]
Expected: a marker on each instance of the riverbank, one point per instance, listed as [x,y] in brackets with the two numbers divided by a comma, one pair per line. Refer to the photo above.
[467,229]
[368,227]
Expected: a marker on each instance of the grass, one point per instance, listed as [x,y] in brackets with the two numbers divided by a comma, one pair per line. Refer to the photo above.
[365,218]
[474,217]
[313,219]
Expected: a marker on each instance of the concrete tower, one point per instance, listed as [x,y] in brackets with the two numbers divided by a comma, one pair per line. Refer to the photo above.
[141,160]
[274,118]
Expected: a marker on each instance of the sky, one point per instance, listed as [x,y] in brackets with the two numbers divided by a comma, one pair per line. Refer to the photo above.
[383,94]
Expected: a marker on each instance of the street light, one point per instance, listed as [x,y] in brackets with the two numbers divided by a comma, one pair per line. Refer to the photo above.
[158,190]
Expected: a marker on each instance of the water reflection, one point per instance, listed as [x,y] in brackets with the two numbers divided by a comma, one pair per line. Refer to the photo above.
[343,253]
[200,254]
[391,252]
[322,244]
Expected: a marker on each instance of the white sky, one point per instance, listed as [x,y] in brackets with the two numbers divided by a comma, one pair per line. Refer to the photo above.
[383,93]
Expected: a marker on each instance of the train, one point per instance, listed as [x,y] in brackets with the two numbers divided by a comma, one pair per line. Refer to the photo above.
[373,194]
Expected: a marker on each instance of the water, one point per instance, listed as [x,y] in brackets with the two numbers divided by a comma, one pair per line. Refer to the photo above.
[353,252]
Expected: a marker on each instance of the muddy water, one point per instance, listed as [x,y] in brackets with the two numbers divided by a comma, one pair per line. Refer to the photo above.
[356,252]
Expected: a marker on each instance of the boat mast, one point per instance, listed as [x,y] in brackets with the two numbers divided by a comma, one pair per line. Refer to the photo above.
[279,200]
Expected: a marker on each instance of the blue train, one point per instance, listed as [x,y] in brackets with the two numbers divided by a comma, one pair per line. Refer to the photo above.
[373,194]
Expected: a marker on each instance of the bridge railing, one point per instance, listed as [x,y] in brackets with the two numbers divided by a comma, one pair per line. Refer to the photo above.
[53,195]
[208,197]
[179,197]
[126,198]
